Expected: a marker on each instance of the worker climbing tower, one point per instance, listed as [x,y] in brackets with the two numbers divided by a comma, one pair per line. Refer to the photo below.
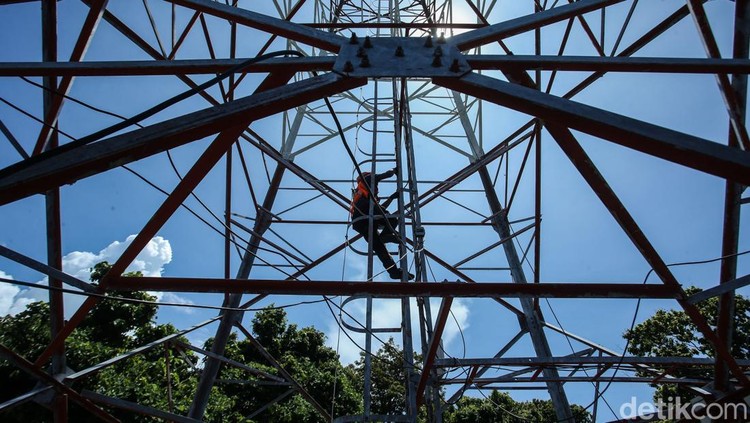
[275,108]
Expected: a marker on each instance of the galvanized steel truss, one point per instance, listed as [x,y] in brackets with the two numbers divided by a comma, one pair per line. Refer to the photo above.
[422,76]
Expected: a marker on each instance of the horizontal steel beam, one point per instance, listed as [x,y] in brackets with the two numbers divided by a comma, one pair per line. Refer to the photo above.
[606,64]
[697,153]
[393,25]
[325,63]
[162,67]
[487,383]
[578,360]
[67,165]
[393,289]
[496,32]
[55,384]
[283,28]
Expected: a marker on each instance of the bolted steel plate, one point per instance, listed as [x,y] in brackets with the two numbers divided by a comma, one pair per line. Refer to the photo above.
[401,57]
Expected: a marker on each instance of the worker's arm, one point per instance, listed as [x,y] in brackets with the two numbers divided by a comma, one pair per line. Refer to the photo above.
[385,175]
[389,200]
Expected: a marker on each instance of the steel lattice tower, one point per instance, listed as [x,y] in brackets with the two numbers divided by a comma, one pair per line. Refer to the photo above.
[461,97]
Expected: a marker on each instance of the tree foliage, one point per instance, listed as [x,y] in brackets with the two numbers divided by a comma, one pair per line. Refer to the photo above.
[499,407]
[166,378]
[303,353]
[388,379]
[672,333]
[113,327]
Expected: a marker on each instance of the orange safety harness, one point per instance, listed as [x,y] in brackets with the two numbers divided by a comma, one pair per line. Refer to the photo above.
[360,193]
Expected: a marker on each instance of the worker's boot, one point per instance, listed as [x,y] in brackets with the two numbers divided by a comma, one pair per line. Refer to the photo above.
[396,273]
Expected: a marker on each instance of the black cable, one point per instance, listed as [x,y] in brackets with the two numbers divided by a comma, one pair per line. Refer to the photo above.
[27,114]
[215,229]
[135,121]
[177,173]
[77,101]
[500,406]
[357,168]
[145,114]
[637,307]
[567,339]
[384,343]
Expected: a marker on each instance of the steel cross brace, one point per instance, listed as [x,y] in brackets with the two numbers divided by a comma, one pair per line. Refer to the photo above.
[28,367]
[301,390]
[731,99]
[694,152]
[96,10]
[50,271]
[434,344]
[61,167]
[532,316]
[324,85]
[7,405]
[477,372]
[136,408]
[231,319]
[234,318]
[496,32]
[283,28]
[550,108]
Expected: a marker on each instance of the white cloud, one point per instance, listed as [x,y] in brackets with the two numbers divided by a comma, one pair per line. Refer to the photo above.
[171,297]
[457,322]
[7,293]
[150,262]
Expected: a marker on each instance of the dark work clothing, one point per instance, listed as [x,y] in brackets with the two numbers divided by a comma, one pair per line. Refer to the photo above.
[378,247]
[361,201]
[361,222]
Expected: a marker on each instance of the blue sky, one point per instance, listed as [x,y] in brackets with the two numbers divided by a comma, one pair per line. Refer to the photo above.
[680,210]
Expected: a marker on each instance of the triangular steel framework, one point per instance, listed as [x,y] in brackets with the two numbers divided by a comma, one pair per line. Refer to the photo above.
[447,72]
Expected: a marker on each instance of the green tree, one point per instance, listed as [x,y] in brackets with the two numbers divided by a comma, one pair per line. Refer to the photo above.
[388,394]
[303,353]
[113,327]
[499,407]
[672,333]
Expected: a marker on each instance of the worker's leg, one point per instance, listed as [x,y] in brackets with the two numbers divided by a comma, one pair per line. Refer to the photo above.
[378,247]
[390,230]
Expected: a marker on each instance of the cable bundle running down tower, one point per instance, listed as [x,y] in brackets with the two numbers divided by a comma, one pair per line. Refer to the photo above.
[492,116]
